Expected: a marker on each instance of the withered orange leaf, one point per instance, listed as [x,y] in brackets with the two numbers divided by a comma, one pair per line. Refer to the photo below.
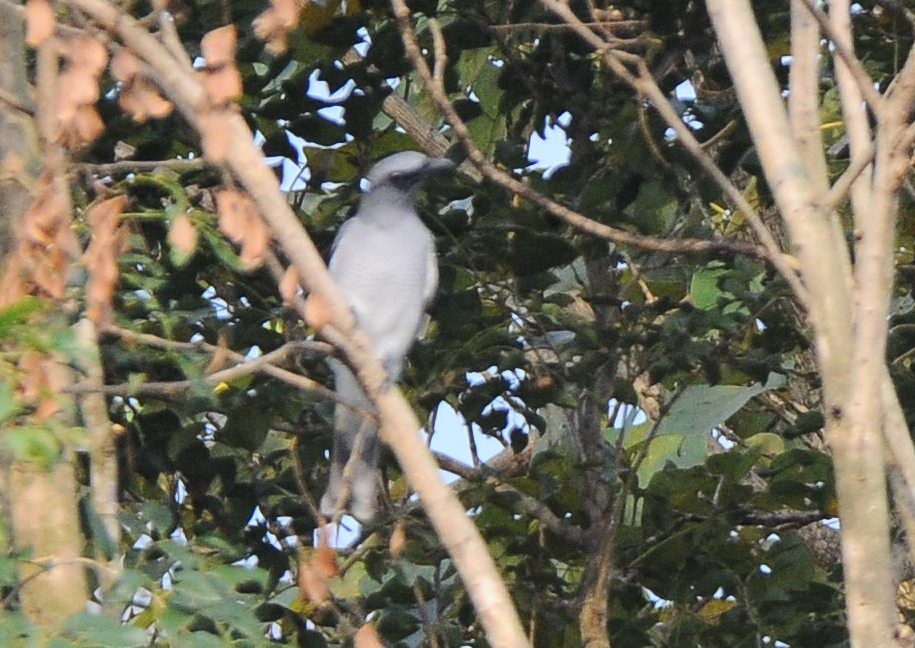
[367,637]
[141,101]
[254,242]
[234,210]
[398,541]
[87,125]
[124,66]
[183,235]
[317,313]
[267,24]
[222,85]
[75,87]
[39,22]
[87,53]
[325,559]
[220,356]
[289,284]
[313,585]
[105,216]
[287,11]
[218,46]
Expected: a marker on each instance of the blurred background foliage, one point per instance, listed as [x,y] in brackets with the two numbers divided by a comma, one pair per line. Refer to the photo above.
[668,398]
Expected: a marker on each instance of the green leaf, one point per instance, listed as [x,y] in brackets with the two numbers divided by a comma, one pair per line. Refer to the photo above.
[17,313]
[703,289]
[9,404]
[100,631]
[682,434]
[33,444]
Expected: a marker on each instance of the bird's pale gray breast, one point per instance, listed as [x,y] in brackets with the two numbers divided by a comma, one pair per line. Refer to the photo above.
[383,270]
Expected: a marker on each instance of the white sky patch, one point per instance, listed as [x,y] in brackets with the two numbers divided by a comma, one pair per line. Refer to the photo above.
[552,150]
[220,306]
[685,91]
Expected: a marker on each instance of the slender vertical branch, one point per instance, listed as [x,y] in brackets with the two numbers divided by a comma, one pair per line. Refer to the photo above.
[857,448]
[804,93]
[853,114]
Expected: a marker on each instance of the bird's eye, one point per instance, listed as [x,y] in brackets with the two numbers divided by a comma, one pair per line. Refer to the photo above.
[404,179]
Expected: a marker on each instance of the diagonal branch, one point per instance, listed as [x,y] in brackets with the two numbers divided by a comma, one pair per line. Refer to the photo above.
[566,214]
[400,426]
[645,85]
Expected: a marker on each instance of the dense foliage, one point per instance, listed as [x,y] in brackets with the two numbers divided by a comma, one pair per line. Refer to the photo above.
[604,367]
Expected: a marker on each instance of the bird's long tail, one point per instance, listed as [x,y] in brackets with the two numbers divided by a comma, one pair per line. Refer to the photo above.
[352,432]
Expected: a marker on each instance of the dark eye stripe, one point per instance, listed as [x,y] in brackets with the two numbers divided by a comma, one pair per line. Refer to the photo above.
[404,179]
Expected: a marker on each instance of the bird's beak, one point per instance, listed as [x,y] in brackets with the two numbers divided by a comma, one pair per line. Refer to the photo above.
[439,165]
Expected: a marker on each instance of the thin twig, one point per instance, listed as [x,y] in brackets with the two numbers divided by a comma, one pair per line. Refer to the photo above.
[136,166]
[612,25]
[840,188]
[862,79]
[645,85]
[566,214]
[289,377]
[177,387]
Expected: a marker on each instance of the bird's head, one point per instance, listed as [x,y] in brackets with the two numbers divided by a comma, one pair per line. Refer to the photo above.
[405,172]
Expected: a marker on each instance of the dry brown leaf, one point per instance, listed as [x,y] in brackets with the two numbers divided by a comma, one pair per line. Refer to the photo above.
[45,216]
[39,22]
[11,288]
[156,105]
[317,313]
[287,11]
[289,285]
[87,125]
[218,361]
[49,273]
[274,24]
[267,24]
[142,101]
[277,45]
[87,53]
[125,66]
[269,27]
[183,235]
[234,210]
[325,560]
[101,257]
[313,585]
[367,637]
[218,46]
[33,380]
[214,134]
[75,87]
[254,243]
[106,215]
[222,85]
[38,385]
[398,541]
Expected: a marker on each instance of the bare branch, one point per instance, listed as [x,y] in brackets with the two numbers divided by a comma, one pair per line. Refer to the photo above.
[500,177]
[843,47]
[646,86]
[103,449]
[842,349]
[837,192]
[177,387]
[857,127]
[804,94]
[629,26]
[137,166]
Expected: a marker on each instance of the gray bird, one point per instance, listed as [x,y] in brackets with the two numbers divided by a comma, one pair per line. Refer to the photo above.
[384,263]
